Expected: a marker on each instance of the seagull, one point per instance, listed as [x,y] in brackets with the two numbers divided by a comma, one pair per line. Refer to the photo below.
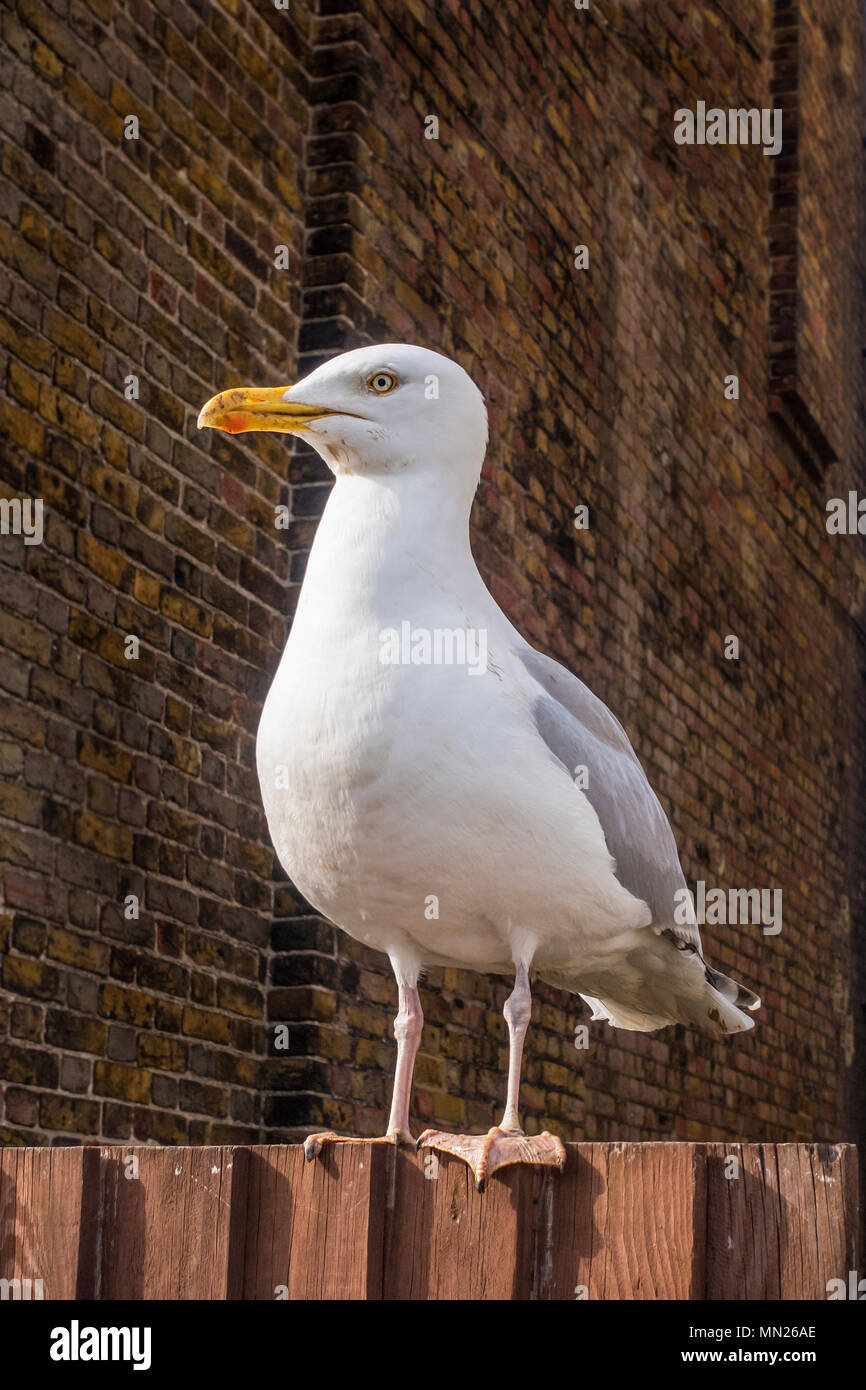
[434,785]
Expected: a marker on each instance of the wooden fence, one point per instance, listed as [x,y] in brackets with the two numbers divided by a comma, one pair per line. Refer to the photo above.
[624,1221]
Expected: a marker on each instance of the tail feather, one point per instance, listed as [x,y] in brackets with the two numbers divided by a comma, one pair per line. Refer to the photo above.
[702,997]
[622,1016]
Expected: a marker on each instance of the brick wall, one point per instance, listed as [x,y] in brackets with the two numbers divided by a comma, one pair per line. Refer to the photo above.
[151,258]
[606,387]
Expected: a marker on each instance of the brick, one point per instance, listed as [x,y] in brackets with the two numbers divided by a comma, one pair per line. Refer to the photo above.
[74,338]
[69,1115]
[161,1054]
[75,1073]
[22,1107]
[201,1023]
[22,428]
[131,1006]
[26,1021]
[121,1082]
[241,999]
[104,756]
[94,833]
[28,1066]
[75,1031]
[72,948]
[31,977]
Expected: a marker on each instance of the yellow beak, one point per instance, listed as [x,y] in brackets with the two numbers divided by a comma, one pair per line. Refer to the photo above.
[259,408]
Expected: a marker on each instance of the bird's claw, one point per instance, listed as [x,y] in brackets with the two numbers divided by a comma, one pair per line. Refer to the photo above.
[484,1153]
[314,1143]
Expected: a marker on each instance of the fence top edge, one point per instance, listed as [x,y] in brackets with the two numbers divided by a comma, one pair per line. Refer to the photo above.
[699,1146]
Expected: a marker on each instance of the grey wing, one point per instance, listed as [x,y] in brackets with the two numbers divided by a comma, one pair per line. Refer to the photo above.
[580,731]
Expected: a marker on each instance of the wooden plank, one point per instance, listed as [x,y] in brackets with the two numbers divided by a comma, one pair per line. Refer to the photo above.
[47,1231]
[843,1202]
[567,1233]
[786,1225]
[312,1230]
[165,1222]
[738,1229]
[444,1240]
[626,1221]
[801,1207]
[819,1243]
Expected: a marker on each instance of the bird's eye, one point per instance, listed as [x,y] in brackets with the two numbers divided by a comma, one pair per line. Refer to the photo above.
[382,382]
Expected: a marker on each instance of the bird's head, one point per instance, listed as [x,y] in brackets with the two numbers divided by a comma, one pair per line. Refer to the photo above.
[376,410]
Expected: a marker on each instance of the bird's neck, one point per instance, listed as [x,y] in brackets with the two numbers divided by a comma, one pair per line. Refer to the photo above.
[397,520]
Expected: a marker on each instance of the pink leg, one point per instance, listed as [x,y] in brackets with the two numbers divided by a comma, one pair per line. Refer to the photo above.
[407,1030]
[506,1144]
[517,1013]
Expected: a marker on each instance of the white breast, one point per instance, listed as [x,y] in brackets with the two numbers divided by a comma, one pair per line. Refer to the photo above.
[394,790]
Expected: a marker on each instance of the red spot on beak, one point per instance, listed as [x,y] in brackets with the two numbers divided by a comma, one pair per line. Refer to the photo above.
[236,424]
